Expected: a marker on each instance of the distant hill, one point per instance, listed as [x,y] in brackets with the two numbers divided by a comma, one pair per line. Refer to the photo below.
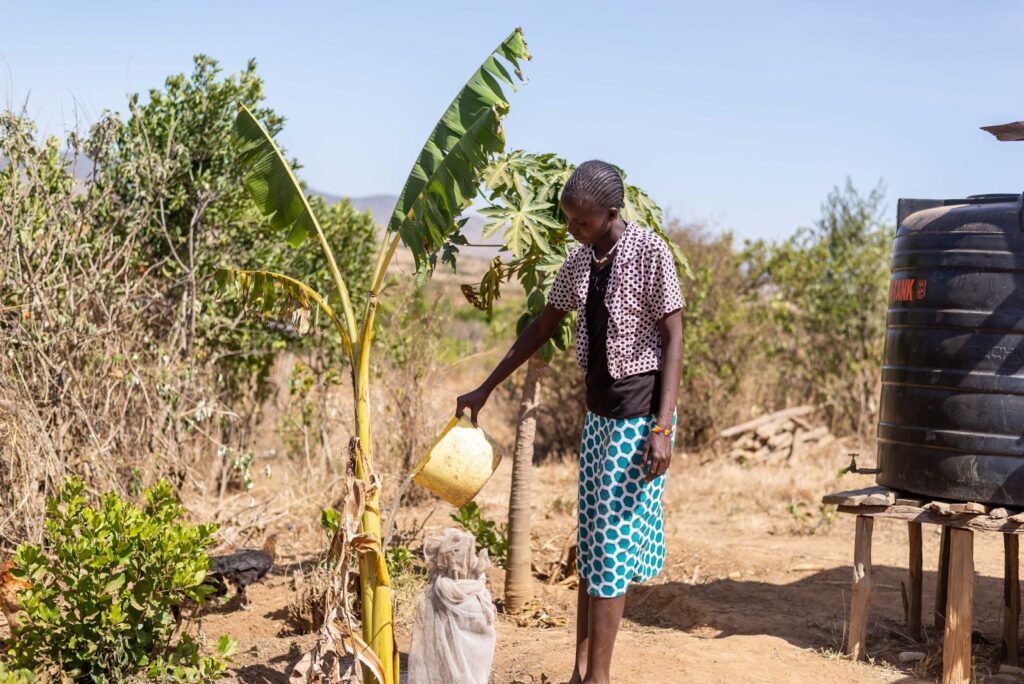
[381,206]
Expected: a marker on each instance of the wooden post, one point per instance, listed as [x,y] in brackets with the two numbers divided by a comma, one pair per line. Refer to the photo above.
[914,582]
[863,584]
[942,583]
[956,647]
[1011,597]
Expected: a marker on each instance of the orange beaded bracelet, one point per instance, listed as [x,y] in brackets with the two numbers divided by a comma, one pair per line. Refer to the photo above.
[659,429]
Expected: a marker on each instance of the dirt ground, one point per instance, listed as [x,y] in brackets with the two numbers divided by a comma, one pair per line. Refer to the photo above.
[754,589]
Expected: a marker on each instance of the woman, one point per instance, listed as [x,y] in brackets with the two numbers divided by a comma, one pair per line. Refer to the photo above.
[629,335]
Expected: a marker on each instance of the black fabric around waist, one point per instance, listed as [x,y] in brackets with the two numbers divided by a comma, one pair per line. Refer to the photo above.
[628,397]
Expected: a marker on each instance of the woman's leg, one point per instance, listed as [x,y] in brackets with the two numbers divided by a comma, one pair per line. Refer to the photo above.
[593,428]
[605,615]
[582,633]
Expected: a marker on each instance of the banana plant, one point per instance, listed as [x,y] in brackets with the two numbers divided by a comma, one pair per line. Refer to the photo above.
[523,190]
[443,182]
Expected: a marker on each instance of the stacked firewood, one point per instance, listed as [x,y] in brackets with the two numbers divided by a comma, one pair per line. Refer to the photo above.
[776,435]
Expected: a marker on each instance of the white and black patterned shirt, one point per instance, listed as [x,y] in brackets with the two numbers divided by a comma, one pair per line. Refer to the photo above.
[643,288]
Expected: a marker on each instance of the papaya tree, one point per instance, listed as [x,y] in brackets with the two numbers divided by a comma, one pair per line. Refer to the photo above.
[444,180]
[523,190]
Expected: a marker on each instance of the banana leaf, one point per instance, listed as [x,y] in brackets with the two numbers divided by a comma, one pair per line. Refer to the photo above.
[278,195]
[273,296]
[445,178]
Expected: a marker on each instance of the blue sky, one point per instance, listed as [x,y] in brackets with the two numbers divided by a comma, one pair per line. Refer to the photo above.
[740,114]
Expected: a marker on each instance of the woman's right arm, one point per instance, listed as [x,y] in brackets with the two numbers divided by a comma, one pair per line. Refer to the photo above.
[525,346]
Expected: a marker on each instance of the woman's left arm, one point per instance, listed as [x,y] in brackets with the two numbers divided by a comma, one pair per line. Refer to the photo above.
[658,448]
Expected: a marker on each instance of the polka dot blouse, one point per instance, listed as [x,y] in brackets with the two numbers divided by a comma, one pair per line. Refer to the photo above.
[643,288]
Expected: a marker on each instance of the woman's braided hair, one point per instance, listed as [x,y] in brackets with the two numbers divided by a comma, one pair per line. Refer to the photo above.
[597,181]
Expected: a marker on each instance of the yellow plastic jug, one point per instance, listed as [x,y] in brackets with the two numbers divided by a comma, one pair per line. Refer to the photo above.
[459,463]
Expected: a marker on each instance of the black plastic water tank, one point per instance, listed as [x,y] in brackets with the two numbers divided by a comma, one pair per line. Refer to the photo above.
[951,421]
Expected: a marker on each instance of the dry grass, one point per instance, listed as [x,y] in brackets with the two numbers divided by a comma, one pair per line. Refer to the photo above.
[760,491]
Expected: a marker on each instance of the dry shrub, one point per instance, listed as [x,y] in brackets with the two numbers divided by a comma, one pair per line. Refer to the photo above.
[725,375]
[29,468]
[415,352]
[113,338]
[562,409]
[306,608]
[99,389]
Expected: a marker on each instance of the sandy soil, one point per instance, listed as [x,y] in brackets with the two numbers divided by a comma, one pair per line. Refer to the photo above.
[754,589]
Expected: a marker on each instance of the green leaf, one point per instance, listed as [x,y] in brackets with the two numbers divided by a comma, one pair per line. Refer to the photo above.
[547,352]
[330,518]
[445,177]
[226,646]
[522,323]
[114,585]
[535,302]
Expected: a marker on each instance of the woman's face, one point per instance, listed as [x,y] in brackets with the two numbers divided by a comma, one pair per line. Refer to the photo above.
[587,222]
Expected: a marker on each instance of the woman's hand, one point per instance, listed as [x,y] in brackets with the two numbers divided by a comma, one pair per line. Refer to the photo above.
[474,401]
[657,455]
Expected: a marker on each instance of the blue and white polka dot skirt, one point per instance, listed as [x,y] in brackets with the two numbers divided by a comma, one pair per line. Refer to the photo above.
[621,532]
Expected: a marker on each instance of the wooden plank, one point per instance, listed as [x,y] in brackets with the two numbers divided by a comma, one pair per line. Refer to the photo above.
[956,646]
[863,585]
[968,521]
[969,507]
[869,496]
[942,581]
[940,507]
[764,420]
[813,435]
[1017,517]
[881,497]
[906,501]
[804,423]
[1011,598]
[915,574]
[1009,132]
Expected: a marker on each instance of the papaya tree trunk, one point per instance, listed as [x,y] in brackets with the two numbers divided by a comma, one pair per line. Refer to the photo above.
[519,575]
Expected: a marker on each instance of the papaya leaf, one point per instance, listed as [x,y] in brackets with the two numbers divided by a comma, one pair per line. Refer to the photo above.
[526,223]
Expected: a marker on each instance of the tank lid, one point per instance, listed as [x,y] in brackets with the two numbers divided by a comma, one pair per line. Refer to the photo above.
[905,206]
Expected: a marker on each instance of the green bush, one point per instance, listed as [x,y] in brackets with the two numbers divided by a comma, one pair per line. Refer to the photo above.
[826,290]
[107,588]
[19,676]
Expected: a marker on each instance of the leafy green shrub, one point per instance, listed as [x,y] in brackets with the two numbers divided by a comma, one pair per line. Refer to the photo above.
[488,535]
[19,676]
[399,560]
[107,589]
[827,289]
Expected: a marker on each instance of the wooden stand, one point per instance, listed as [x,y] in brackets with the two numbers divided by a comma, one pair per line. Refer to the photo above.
[955,590]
